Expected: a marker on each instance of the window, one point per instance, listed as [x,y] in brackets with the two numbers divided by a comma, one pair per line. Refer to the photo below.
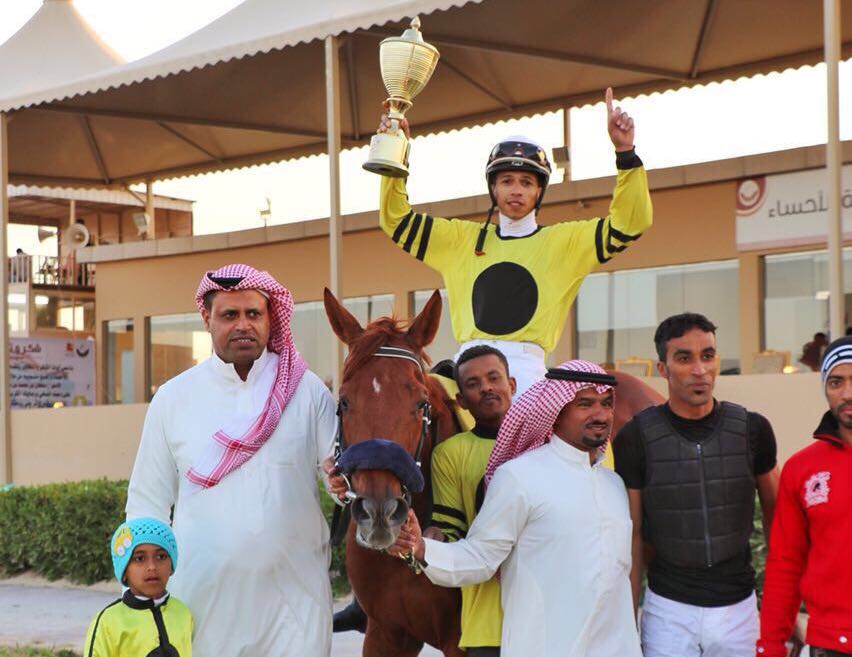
[618,312]
[796,299]
[69,312]
[312,333]
[175,343]
[444,345]
[18,312]
[118,338]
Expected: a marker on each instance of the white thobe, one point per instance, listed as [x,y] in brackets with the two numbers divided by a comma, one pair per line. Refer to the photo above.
[561,529]
[253,550]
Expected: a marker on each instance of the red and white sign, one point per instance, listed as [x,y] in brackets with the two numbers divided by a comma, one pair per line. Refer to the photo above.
[788,209]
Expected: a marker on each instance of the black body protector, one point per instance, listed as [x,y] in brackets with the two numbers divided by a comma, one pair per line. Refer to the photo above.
[698,499]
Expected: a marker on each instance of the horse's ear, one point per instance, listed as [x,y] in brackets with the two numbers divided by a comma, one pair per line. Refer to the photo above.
[425,326]
[343,323]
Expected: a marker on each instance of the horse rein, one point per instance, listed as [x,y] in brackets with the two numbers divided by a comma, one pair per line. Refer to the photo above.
[425,423]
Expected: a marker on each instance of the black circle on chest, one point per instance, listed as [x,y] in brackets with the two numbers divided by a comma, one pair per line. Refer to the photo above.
[505,297]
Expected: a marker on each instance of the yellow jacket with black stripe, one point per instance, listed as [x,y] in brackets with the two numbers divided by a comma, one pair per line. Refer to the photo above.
[131,627]
[458,464]
[522,287]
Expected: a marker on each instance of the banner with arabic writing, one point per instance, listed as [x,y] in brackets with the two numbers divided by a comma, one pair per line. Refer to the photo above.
[51,372]
[788,209]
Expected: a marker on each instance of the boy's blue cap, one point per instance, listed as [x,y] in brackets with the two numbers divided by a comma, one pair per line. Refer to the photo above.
[136,532]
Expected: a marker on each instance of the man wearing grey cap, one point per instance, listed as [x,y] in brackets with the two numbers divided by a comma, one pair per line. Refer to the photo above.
[812,531]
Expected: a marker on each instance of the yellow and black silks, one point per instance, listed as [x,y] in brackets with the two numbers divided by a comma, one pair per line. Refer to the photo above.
[522,287]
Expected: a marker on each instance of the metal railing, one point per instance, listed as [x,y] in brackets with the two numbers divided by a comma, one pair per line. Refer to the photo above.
[49,270]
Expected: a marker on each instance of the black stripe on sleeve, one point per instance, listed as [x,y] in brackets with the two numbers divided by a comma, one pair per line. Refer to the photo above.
[610,247]
[449,528]
[622,237]
[400,229]
[449,511]
[95,629]
[412,234]
[424,240]
[599,246]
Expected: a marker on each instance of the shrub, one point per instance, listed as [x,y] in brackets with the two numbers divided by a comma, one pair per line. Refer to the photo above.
[758,549]
[61,530]
[337,570]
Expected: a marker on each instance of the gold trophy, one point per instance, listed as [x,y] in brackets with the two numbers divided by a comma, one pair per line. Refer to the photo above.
[407,64]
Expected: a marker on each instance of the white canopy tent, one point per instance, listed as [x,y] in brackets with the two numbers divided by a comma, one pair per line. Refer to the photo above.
[55,45]
[251,86]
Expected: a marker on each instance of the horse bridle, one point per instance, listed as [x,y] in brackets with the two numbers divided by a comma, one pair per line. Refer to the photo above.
[425,422]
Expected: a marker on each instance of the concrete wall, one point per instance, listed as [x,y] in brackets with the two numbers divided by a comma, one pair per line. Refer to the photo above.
[73,443]
[52,445]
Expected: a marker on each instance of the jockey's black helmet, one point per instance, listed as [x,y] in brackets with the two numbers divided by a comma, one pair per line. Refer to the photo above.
[518,153]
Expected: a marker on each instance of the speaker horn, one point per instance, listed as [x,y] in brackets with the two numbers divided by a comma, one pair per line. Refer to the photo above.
[76,236]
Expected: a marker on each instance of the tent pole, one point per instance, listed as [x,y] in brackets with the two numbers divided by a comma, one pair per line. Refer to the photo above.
[6,423]
[150,210]
[335,229]
[837,298]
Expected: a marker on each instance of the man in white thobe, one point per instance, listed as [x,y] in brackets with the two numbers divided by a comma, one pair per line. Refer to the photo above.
[235,443]
[554,521]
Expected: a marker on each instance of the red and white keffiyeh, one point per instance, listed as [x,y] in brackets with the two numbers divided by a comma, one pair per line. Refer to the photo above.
[529,422]
[225,453]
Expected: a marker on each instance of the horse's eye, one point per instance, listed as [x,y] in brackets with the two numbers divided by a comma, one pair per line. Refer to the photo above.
[343,404]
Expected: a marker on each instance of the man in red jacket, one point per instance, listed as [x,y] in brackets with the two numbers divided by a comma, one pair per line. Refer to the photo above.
[812,531]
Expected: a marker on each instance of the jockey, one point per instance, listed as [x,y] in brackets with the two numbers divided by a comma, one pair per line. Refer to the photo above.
[511,283]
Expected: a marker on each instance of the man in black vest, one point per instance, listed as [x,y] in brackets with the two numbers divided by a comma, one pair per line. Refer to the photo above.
[691,467]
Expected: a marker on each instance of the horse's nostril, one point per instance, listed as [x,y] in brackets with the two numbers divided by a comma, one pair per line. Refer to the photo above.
[359,513]
[397,511]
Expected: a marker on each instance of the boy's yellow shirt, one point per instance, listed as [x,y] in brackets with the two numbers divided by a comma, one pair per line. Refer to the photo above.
[122,631]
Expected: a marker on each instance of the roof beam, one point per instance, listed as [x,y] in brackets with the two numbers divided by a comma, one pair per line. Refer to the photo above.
[93,147]
[596,95]
[174,118]
[227,163]
[474,82]
[188,141]
[528,51]
[709,14]
[32,220]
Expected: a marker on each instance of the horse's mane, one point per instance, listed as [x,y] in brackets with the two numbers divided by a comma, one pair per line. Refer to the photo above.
[384,331]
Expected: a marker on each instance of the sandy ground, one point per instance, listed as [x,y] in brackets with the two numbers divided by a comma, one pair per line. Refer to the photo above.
[35,612]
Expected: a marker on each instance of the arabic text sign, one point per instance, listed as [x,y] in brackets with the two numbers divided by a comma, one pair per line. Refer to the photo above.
[44,371]
[788,209]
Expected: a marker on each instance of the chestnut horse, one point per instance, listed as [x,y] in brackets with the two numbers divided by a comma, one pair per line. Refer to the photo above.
[389,399]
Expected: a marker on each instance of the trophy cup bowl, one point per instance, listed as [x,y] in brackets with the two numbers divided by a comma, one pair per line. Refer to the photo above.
[407,63]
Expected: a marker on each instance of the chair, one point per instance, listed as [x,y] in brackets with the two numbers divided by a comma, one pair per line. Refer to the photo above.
[635,366]
[770,361]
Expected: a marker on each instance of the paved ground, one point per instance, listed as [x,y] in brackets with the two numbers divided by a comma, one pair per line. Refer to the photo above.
[35,613]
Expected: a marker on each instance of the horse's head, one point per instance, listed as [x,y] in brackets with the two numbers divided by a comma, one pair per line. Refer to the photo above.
[384,415]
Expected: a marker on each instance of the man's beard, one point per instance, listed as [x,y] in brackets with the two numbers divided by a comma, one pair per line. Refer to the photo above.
[838,415]
[593,443]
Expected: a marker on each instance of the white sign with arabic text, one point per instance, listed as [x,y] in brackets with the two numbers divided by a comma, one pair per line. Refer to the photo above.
[788,209]
[50,372]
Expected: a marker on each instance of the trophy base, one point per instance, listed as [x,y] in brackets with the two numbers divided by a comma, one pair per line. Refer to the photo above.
[388,155]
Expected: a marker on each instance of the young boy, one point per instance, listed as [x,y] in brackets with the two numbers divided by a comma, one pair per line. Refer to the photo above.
[146,621]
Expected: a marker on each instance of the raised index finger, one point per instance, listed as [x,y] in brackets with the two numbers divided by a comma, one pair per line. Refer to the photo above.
[608,98]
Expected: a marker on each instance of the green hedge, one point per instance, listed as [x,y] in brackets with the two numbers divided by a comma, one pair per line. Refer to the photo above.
[337,570]
[63,530]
